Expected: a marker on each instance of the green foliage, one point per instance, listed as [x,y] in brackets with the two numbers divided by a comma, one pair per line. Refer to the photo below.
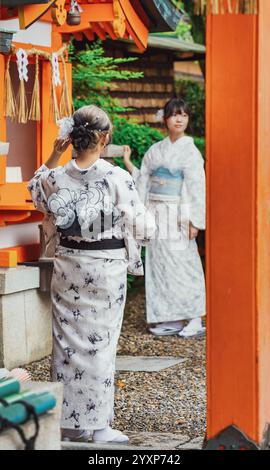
[139,137]
[194,94]
[200,143]
[197,22]
[93,77]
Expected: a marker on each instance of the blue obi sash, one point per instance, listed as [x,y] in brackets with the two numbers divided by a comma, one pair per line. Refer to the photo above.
[163,181]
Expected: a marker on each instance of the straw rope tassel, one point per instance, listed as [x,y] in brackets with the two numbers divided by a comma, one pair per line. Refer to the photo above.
[10,102]
[222,6]
[65,105]
[34,114]
[22,106]
[54,103]
[230,8]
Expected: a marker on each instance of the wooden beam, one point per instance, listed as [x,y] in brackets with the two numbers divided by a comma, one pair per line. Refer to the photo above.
[3,159]
[238,222]
[89,34]
[11,217]
[135,25]
[28,14]
[96,28]
[109,29]
[92,13]
[9,257]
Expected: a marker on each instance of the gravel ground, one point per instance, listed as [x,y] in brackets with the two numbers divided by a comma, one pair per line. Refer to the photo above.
[172,400]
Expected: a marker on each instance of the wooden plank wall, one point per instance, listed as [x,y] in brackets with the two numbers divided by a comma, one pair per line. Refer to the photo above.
[148,94]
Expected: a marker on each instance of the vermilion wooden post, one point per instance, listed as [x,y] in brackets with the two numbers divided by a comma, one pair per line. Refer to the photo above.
[238,225]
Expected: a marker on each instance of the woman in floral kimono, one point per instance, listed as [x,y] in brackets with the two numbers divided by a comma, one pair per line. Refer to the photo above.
[91,209]
[171,182]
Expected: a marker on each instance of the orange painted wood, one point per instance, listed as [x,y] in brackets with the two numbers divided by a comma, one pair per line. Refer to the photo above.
[8,258]
[231,349]
[109,30]
[30,46]
[78,36]
[49,130]
[2,117]
[3,164]
[135,25]
[28,14]
[68,153]
[263,214]
[19,254]
[93,13]
[89,34]
[98,31]
[15,216]
[14,195]
[238,222]
[3,160]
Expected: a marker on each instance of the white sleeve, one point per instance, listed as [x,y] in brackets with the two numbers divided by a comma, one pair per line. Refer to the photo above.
[142,178]
[138,222]
[194,178]
[41,186]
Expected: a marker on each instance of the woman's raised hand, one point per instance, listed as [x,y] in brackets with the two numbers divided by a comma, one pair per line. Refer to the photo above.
[127,153]
[61,145]
[127,161]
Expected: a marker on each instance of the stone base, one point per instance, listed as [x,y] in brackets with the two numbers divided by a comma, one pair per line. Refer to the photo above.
[143,441]
[49,437]
[25,317]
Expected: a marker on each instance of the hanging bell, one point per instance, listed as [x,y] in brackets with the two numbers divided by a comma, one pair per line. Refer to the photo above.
[74,18]
[74,14]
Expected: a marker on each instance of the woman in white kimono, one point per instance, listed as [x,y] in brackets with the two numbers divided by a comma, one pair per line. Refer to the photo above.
[91,209]
[171,182]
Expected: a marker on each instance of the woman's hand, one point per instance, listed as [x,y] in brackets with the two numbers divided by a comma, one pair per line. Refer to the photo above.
[60,146]
[126,158]
[127,153]
[193,231]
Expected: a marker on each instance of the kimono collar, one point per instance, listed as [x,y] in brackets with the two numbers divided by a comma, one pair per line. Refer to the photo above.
[170,155]
[95,171]
[182,141]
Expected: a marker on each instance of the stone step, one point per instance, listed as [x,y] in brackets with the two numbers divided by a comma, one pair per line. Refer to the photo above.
[25,317]
[146,363]
[49,437]
[143,441]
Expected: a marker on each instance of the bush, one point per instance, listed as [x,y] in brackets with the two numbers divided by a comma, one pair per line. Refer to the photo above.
[200,143]
[94,76]
[138,136]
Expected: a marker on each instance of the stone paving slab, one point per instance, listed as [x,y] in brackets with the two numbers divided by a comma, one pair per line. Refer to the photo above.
[146,363]
[143,441]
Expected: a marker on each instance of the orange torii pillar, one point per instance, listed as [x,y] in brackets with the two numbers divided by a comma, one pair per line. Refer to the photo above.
[238,225]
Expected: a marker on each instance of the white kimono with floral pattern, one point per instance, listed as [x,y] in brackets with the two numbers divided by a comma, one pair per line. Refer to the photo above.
[175,287]
[88,288]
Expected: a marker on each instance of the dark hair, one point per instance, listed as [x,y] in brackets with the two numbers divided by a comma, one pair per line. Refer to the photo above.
[90,123]
[176,105]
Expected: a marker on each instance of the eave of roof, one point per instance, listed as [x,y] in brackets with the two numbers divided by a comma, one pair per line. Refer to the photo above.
[175,44]
[162,14]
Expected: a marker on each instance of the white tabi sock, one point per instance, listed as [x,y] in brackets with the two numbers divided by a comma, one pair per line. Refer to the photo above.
[109,435]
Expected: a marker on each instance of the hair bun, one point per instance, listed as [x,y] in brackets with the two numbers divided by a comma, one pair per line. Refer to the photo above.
[89,123]
[81,137]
